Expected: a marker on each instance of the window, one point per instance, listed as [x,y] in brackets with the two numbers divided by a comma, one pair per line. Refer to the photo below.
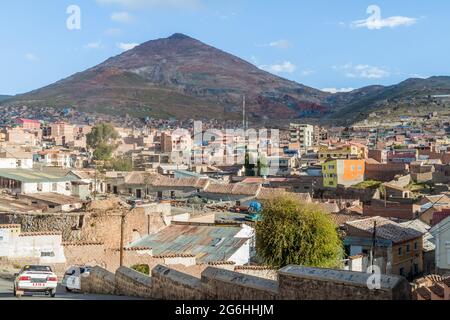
[416,268]
[408,248]
[400,251]
[39,187]
[68,186]
[359,168]
[47,254]
[416,246]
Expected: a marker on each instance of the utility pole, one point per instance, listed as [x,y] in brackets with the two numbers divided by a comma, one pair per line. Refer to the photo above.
[243,113]
[374,243]
[122,231]
[123,217]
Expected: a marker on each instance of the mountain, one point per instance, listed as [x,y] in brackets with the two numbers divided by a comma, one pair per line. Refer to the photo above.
[182,77]
[414,96]
[4,97]
[179,77]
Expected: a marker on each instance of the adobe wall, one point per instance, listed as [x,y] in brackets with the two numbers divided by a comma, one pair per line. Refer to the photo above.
[384,172]
[169,284]
[303,283]
[99,281]
[97,226]
[133,284]
[295,283]
[219,284]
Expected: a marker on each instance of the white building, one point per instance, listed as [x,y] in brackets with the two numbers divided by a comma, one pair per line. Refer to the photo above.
[15,159]
[45,247]
[302,135]
[441,234]
[25,181]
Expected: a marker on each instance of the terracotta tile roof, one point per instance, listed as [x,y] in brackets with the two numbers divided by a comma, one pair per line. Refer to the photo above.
[342,218]
[386,229]
[253,268]
[9,226]
[217,263]
[424,293]
[175,255]
[37,234]
[82,243]
[138,249]
[446,281]
[438,290]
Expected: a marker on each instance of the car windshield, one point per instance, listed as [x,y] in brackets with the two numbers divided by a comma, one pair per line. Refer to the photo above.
[37,268]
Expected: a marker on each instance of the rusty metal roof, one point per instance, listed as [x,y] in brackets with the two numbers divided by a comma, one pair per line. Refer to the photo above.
[206,243]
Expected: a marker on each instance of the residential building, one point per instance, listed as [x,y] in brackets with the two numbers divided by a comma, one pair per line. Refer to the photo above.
[344,172]
[29,124]
[398,249]
[25,181]
[301,136]
[45,247]
[441,234]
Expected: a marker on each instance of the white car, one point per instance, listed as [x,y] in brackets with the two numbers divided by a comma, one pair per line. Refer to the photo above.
[72,277]
[35,278]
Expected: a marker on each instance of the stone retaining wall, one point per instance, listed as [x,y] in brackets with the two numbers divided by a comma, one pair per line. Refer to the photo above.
[294,283]
[169,284]
[133,284]
[99,281]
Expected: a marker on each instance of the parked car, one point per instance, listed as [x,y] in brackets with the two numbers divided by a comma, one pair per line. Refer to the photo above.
[72,277]
[35,278]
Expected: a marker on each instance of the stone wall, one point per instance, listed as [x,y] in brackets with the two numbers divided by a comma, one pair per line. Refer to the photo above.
[303,283]
[219,284]
[169,284]
[294,283]
[133,284]
[99,281]
[92,226]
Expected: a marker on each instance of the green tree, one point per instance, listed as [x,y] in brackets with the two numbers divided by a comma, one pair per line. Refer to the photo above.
[294,232]
[101,134]
[101,140]
[103,152]
[249,165]
[121,164]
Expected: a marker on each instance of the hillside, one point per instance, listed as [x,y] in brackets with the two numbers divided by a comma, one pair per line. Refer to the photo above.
[412,96]
[179,77]
[182,77]
[4,97]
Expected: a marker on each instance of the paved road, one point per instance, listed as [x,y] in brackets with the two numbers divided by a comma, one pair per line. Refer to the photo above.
[6,293]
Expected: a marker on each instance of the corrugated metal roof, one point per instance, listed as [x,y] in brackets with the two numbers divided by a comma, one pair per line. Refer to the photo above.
[25,175]
[206,243]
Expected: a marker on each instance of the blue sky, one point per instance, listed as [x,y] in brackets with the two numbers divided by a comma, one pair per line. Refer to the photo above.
[325,44]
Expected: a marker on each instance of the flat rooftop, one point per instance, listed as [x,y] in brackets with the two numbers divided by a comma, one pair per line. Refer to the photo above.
[30,176]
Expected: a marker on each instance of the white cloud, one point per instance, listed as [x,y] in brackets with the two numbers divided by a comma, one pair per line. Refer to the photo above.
[376,22]
[93,45]
[337,90]
[31,57]
[178,4]
[363,71]
[127,46]
[122,17]
[283,67]
[280,44]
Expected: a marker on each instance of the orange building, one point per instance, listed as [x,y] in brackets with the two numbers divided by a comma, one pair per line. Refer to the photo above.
[345,172]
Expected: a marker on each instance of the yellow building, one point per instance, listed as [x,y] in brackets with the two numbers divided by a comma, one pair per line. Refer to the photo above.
[345,172]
